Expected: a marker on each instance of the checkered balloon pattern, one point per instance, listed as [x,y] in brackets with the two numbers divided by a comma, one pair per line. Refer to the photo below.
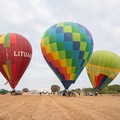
[67,47]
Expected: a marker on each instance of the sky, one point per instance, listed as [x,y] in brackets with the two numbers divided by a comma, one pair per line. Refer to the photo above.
[31,18]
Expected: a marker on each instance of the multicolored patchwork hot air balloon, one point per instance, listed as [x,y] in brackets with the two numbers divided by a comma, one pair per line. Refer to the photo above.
[15,55]
[67,47]
[102,68]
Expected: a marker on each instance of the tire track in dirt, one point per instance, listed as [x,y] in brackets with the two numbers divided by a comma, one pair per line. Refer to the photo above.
[49,107]
[58,112]
[91,109]
[8,104]
[25,110]
[69,106]
[12,106]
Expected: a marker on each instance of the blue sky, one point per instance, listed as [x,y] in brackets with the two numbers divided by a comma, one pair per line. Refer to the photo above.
[31,18]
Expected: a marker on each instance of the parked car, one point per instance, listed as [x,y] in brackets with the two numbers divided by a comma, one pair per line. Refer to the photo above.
[16,92]
[3,91]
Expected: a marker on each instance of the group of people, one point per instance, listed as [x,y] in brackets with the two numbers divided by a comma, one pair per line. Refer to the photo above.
[65,93]
[70,93]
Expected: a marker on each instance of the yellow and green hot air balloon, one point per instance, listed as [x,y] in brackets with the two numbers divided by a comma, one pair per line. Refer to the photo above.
[102,68]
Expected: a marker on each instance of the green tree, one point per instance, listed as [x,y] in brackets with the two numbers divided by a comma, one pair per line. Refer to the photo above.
[78,90]
[55,88]
[114,88]
[25,90]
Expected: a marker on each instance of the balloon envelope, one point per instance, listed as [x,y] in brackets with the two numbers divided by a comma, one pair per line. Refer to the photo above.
[15,55]
[102,68]
[67,48]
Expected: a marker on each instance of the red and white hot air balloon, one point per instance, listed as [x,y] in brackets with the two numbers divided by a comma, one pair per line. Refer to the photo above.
[15,56]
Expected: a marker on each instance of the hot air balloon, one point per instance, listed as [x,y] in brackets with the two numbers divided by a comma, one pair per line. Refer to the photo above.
[15,56]
[67,47]
[102,68]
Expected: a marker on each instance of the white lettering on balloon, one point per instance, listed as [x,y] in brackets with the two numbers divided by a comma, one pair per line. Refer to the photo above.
[22,54]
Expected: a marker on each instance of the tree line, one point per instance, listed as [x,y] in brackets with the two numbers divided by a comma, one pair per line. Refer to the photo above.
[111,89]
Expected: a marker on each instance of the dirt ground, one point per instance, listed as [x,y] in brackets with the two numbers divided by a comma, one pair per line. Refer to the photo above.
[53,107]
